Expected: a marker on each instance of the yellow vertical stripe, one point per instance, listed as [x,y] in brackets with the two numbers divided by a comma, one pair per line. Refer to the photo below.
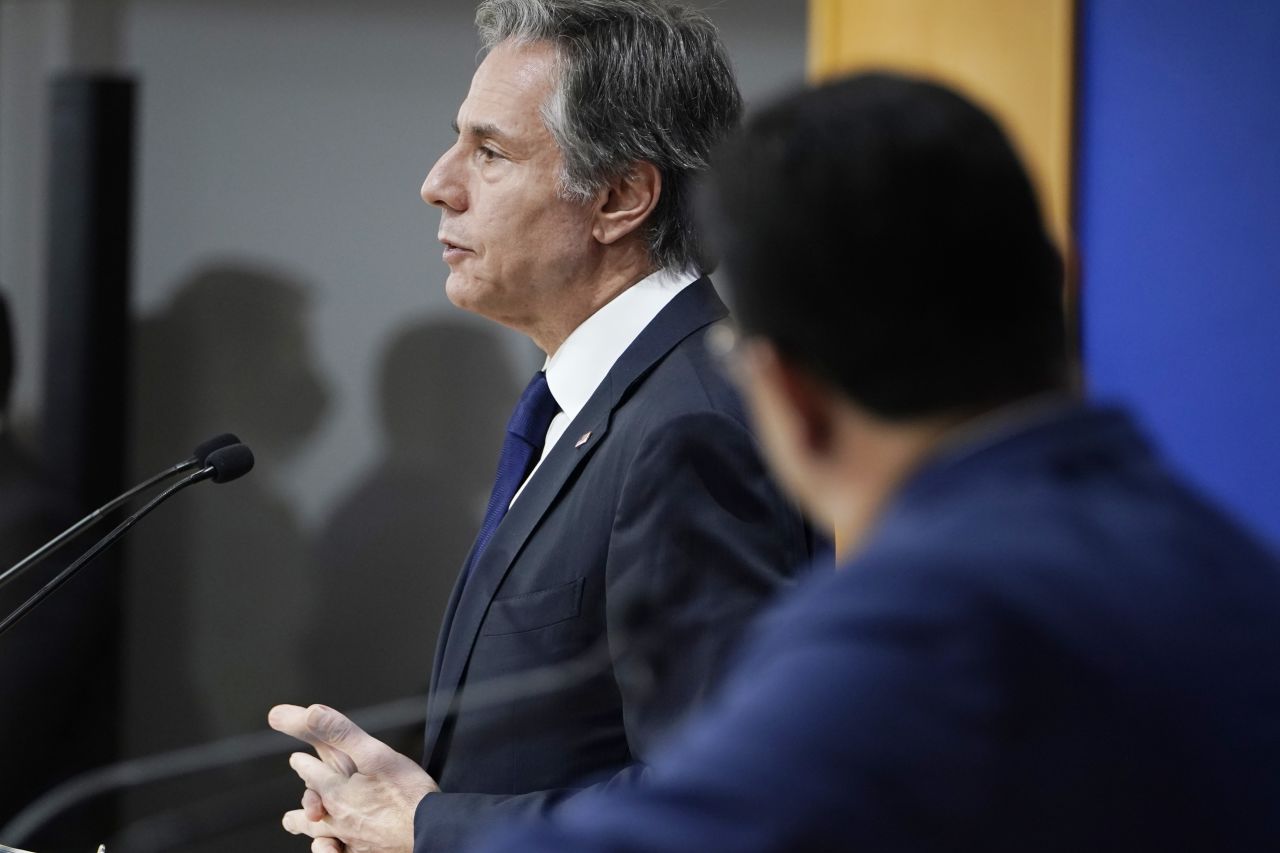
[1014,56]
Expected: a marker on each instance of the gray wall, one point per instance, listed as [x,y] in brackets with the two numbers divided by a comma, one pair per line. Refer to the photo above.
[288,287]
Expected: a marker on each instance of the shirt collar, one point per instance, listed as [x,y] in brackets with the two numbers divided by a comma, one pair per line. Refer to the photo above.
[584,359]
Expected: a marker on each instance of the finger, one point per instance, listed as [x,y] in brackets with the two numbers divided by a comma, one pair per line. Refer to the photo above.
[313,805]
[336,759]
[317,775]
[327,845]
[292,720]
[334,729]
[296,823]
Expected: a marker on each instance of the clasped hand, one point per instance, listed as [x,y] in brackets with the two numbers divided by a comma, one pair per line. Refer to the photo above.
[361,794]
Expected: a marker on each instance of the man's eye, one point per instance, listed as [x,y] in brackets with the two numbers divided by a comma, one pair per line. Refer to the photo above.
[487,154]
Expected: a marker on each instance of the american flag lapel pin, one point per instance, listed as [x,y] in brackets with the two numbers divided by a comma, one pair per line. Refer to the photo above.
[585,437]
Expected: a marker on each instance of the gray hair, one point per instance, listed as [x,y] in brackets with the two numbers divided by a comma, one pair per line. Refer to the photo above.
[639,80]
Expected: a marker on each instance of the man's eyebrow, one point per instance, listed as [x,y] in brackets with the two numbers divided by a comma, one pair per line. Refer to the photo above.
[483,130]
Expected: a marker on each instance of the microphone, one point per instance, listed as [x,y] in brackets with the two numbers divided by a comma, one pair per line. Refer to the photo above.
[199,456]
[222,466]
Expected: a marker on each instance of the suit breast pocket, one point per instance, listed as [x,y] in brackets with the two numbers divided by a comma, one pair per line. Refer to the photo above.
[532,610]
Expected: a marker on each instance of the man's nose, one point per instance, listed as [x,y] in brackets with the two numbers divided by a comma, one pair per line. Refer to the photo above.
[443,187]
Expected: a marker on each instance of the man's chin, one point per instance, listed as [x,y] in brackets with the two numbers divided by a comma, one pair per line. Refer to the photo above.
[461,291]
[468,294]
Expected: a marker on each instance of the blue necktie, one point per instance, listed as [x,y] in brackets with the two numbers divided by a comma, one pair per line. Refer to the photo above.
[526,432]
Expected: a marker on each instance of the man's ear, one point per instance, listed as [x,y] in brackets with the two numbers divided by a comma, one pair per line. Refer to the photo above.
[626,202]
[807,402]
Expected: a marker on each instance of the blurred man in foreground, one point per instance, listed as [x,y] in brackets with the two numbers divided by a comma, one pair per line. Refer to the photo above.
[1040,638]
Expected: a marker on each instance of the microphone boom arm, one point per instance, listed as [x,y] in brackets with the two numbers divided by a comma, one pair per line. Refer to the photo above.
[88,521]
[100,546]
[197,458]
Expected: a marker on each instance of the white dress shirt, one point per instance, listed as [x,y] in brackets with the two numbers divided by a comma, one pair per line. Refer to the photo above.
[575,371]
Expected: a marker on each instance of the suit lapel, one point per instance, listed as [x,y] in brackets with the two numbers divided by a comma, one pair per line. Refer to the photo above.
[692,309]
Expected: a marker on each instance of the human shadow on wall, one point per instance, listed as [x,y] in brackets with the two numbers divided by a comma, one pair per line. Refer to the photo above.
[217,583]
[389,553]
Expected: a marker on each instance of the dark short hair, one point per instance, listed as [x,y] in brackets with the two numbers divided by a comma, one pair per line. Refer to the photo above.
[639,80]
[881,231]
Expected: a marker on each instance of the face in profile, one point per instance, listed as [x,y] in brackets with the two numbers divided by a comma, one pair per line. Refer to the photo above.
[511,242]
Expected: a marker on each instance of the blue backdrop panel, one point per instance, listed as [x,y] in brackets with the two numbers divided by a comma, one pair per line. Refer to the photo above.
[1178,205]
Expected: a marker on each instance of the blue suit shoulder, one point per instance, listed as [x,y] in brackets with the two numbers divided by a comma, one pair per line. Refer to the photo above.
[1092,637]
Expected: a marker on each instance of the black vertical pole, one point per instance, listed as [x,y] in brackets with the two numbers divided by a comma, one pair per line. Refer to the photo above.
[84,418]
[90,219]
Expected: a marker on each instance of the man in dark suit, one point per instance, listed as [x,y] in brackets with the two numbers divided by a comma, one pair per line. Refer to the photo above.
[1040,639]
[632,530]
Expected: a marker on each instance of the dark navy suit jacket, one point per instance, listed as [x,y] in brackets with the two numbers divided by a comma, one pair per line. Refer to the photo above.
[645,541]
[1050,644]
